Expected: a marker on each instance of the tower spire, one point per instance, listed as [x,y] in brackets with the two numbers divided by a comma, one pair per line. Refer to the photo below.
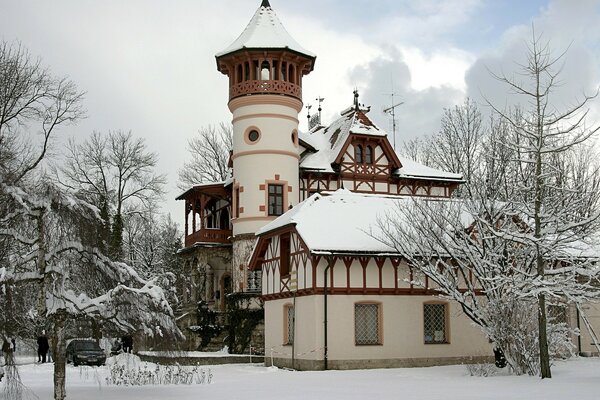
[265,3]
[356,105]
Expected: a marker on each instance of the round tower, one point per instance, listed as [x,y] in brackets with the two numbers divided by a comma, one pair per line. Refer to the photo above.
[265,66]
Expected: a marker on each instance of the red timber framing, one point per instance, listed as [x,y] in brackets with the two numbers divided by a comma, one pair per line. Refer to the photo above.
[207,214]
[376,177]
[266,257]
[265,71]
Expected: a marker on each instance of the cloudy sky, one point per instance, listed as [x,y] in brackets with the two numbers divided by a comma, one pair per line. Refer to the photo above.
[148,65]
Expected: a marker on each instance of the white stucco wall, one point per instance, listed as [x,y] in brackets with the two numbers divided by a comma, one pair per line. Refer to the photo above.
[401,330]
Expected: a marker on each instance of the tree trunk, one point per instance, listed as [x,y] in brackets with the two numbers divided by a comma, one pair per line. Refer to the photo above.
[543,338]
[59,355]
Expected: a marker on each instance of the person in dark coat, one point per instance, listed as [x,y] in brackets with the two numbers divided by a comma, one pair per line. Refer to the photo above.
[43,347]
[6,347]
[127,342]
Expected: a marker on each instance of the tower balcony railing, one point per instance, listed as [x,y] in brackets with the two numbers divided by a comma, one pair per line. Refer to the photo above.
[265,87]
[208,235]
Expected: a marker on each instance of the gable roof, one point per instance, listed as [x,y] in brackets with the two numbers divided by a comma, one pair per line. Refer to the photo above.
[265,31]
[343,222]
[330,141]
[351,222]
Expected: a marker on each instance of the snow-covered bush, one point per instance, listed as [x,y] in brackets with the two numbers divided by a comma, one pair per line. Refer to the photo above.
[483,370]
[128,370]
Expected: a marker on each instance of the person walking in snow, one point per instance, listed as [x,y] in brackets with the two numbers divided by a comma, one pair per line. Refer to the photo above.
[43,347]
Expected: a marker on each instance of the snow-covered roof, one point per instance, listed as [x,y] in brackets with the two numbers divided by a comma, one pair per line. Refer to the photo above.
[341,222]
[412,169]
[265,31]
[203,185]
[330,140]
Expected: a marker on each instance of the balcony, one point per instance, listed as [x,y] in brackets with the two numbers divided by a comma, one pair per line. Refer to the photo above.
[265,87]
[208,235]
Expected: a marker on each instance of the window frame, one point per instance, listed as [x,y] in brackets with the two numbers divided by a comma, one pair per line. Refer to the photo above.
[358,154]
[285,251]
[368,156]
[272,197]
[379,332]
[288,339]
[446,320]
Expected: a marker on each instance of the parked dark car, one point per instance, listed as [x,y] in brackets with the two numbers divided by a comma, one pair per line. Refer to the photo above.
[85,352]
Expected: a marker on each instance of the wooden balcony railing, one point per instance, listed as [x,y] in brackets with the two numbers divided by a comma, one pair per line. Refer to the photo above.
[265,87]
[207,235]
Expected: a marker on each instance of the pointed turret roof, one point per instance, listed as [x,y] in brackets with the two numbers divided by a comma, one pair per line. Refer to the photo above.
[265,31]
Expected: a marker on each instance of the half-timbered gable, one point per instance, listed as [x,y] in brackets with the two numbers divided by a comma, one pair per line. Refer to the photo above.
[322,261]
[353,153]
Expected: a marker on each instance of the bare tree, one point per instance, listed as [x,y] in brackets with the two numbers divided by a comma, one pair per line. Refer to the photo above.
[113,171]
[31,101]
[210,157]
[544,133]
[523,235]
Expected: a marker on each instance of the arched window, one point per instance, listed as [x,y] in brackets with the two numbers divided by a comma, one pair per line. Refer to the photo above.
[358,154]
[368,155]
[265,71]
[239,73]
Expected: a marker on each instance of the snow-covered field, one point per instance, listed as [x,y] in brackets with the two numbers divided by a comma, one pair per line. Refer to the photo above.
[575,379]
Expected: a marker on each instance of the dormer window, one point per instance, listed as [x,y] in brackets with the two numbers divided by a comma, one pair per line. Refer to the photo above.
[358,154]
[368,155]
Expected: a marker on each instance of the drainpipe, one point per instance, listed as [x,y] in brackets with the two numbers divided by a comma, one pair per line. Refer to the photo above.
[294,332]
[578,336]
[325,350]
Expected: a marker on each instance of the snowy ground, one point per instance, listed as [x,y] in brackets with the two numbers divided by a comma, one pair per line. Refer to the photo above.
[575,379]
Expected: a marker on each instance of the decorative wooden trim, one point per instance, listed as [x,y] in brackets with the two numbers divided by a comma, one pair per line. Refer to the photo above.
[253,152]
[261,218]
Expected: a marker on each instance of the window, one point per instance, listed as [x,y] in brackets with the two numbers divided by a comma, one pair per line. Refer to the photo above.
[284,255]
[253,135]
[237,202]
[358,154]
[368,155]
[295,138]
[289,324]
[275,200]
[366,324]
[434,321]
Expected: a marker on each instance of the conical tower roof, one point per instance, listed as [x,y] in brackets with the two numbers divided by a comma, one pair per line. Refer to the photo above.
[265,31]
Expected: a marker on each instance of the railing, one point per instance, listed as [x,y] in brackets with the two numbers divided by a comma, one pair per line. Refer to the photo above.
[254,282]
[266,87]
[207,235]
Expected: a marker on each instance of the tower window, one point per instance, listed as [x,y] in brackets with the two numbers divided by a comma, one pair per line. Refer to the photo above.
[265,71]
[295,138]
[275,200]
[253,135]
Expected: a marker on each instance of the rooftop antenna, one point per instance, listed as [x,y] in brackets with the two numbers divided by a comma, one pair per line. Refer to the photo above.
[320,100]
[391,110]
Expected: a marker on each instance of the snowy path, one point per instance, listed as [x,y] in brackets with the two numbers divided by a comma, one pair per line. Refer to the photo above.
[576,379]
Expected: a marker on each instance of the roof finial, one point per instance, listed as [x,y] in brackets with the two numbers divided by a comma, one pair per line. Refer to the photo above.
[265,3]
[356,106]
